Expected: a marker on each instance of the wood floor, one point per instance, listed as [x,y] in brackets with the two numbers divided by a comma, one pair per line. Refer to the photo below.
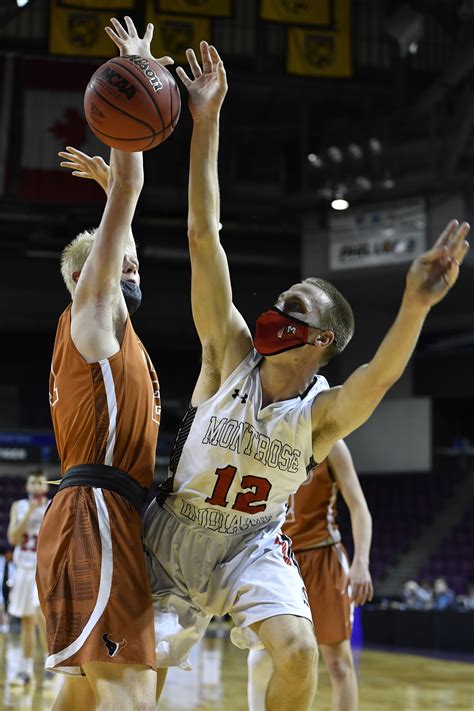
[388,682]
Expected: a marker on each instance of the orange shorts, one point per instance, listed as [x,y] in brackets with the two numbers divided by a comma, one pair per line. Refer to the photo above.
[92,581]
[324,571]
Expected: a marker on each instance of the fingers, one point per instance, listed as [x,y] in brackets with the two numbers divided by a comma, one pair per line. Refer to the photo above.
[214,54]
[445,235]
[114,37]
[206,58]
[165,61]
[119,29]
[184,77]
[458,242]
[132,31]
[193,63]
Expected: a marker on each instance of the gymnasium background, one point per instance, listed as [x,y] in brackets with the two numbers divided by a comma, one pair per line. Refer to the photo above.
[369,102]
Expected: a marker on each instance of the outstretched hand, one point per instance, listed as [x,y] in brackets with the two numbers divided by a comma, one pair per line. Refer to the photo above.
[128,41]
[84,166]
[434,273]
[208,88]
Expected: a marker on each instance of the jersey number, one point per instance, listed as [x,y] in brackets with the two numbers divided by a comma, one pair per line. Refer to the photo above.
[260,490]
[29,543]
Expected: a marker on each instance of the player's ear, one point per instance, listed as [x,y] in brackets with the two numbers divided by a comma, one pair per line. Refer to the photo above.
[324,339]
[75,276]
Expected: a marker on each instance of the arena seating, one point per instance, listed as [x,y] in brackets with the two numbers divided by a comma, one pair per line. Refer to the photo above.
[454,560]
[401,505]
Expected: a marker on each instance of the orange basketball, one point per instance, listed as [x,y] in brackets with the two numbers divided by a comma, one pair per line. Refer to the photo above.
[132,103]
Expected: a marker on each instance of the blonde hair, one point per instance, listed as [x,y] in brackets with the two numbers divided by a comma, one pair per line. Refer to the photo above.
[75,255]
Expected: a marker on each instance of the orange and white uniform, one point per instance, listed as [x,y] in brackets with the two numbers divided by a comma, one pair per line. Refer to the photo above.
[316,541]
[91,576]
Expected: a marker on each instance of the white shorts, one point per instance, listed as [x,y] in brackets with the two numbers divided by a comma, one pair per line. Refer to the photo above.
[195,574]
[23,600]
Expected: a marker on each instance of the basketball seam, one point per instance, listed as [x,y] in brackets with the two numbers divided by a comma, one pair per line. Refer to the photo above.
[91,86]
[141,138]
[143,84]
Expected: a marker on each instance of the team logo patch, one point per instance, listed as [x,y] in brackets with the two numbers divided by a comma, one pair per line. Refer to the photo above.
[243,398]
[83,29]
[320,50]
[113,648]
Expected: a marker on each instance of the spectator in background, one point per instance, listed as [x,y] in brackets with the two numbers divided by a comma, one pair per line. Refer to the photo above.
[443,596]
[427,587]
[415,597]
[467,601]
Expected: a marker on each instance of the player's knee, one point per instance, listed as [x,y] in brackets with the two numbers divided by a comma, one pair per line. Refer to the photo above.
[299,657]
[339,669]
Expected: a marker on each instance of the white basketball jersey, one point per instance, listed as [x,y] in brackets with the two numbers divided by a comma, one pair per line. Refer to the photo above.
[234,464]
[24,554]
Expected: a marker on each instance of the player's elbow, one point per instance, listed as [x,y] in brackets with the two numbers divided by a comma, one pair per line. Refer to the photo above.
[126,185]
[201,233]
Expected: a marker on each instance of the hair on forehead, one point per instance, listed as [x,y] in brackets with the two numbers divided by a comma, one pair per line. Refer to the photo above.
[335,315]
[74,256]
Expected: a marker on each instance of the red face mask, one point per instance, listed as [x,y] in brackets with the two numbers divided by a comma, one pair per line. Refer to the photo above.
[276,332]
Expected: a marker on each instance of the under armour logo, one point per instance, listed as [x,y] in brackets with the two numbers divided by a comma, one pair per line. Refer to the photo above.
[113,648]
[242,397]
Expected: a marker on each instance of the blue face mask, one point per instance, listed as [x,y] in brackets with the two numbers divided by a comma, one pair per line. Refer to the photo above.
[132,295]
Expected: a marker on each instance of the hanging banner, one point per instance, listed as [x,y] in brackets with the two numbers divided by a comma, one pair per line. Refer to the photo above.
[376,236]
[309,12]
[321,53]
[211,8]
[53,118]
[173,35]
[79,33]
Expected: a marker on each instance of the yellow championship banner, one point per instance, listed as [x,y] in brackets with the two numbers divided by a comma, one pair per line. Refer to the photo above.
[173,35]
[79,32]
[297,12]
[211,8]
[321,53]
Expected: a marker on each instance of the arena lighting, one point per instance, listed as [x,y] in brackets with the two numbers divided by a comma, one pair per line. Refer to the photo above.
[21,3]
[339,204]
[355,151]
[363,183]
[406,26]
[375,146]
[335,154]
[315,160]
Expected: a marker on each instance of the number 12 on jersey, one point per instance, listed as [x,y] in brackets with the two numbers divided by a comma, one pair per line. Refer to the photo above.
[250,502]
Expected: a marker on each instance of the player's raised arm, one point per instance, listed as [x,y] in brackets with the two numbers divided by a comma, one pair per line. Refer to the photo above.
[339,411]
[342,467]
[220,327]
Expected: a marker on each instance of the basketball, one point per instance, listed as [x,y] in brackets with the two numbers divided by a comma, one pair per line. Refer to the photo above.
[132,103]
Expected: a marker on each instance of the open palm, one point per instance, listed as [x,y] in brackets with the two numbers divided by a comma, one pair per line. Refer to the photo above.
[209,86]
[433,274]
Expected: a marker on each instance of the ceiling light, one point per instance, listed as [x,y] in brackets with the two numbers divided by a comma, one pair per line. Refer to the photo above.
[339,203]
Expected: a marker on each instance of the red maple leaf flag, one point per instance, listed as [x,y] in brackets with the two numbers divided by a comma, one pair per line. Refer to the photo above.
[53,118]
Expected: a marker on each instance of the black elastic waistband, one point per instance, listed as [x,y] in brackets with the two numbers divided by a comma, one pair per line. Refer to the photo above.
[102,476]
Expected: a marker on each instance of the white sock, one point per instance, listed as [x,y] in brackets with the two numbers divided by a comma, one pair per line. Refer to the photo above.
[260,670]
[27,665]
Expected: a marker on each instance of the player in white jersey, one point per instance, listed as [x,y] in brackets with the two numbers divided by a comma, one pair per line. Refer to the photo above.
[258,416]
[26,516]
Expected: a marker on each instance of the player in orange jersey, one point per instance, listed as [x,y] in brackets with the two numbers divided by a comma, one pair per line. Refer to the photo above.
[332,585]
[105,406]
